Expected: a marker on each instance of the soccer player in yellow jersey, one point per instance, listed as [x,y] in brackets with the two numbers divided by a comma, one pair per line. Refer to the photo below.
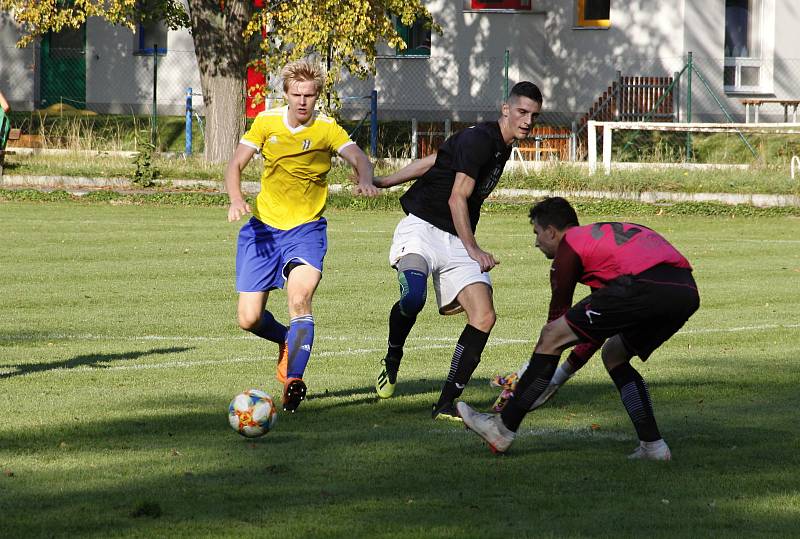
[285,241]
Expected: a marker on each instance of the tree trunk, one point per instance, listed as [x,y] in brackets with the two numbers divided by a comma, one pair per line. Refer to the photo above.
[225,116]
[222,54]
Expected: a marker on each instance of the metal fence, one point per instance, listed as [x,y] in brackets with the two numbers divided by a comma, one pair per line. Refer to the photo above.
[426,92]
[108,82]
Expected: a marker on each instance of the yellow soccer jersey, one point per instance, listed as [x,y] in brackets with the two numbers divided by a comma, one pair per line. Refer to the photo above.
[294,186]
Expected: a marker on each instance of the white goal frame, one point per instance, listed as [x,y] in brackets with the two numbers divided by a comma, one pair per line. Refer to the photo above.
[609,127]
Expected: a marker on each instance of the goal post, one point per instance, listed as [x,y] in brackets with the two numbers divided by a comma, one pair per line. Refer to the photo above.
[696,127]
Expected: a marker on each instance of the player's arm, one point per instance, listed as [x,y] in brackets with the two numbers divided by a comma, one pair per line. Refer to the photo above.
[233,181]
[3,103]
[462,189]
[565,274]
[411,171]
[362,167]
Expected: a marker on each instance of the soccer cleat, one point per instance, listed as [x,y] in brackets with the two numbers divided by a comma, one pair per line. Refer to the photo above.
[506,382]
[445,412]
[387,378]
[294,391]
[507,385]
[502,400]
[488,426]
[283,362]
[658,450]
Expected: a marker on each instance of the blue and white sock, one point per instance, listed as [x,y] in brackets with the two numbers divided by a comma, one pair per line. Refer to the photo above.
[300,339]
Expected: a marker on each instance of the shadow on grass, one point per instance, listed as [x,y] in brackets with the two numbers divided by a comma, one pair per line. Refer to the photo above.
[335,471]
[404,387]
[96,361]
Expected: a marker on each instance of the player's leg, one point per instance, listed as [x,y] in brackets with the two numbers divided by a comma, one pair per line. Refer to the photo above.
[576,359]
[661,301]
[499,430]
[635,397]
[253,317]
[413,254]
[476,300]
[412,273]
[302,282]
[303,250]
[257,272]
[554,338]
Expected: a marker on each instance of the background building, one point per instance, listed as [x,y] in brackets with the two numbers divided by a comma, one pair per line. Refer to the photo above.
[573,49]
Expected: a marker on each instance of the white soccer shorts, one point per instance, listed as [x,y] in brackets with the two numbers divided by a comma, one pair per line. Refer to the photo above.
[450,265]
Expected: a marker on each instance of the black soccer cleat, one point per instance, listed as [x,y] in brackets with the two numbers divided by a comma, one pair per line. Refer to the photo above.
[446,412]
[387,377]
[294,392]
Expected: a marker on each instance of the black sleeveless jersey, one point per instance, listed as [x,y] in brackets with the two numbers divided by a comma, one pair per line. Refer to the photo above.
[479,152]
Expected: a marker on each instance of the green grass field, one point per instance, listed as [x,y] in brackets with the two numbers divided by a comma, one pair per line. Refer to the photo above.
[119,353]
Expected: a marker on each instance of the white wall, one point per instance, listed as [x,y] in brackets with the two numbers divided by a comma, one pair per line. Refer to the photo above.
[573,66]
[18,80]
[120,81]
[463,78]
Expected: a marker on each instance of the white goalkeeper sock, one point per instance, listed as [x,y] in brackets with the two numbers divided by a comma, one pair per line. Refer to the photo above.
[562,374]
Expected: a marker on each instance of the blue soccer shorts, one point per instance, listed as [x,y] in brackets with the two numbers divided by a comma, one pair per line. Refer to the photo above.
[264,251]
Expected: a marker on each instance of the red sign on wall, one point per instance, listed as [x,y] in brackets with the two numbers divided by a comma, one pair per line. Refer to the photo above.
[521,5]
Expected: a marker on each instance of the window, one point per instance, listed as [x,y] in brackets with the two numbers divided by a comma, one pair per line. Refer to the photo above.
[481,5]
[741,29]
[594,13]
[149,34]
[417,38]
[745,68]
[68,43]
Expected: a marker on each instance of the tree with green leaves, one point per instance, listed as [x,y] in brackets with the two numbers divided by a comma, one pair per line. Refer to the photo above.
[345,34]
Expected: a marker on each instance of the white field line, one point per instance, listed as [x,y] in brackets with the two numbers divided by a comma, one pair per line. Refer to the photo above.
[201,338]
[738,329]
[260,359]
[758,241]
[246,336]
[333,353]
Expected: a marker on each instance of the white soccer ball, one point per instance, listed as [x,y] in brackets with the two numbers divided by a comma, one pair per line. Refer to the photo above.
[252,413]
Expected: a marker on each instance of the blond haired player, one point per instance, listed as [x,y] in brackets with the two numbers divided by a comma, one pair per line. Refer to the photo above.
[285,241]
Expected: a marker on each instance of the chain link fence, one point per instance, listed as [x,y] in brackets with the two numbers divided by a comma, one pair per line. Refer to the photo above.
[108,82]
[104,95]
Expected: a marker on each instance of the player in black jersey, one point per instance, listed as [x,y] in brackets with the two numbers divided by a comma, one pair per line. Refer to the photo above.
[437,237]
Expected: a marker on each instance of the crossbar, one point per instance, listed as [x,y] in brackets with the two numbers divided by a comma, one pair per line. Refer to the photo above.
[608,128]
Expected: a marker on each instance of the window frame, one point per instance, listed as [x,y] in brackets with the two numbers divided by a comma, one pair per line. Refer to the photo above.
[405,32]
[762,59]
[583,22]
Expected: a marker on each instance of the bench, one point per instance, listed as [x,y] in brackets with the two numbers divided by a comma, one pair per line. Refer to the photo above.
[756,104]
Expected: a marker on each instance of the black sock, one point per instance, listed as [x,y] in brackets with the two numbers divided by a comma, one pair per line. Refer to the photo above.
[532,384]
[465,360]
[399,327]
[636,399]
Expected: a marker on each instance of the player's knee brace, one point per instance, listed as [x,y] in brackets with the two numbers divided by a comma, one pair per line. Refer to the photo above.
[413,291]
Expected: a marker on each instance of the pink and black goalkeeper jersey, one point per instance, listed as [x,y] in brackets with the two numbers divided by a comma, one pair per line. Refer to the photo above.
[608,250]
[599,253]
